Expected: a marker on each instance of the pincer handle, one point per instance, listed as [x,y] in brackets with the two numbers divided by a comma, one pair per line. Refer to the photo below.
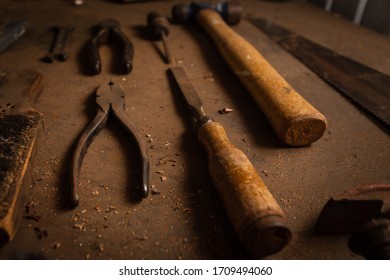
[256,216]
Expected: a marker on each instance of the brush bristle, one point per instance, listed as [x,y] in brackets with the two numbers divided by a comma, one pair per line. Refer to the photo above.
[15,142]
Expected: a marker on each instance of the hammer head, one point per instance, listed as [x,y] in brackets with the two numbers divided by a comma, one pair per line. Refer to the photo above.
[230,12]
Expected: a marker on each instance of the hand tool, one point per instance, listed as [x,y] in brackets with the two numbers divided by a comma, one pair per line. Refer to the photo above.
[50,55]
[363,211]
[21,128]
[365,86]
[295,121]
[256,216]
[109,30]
[110,98]
[64,44]
[158,25]
[11,31]
[59,45]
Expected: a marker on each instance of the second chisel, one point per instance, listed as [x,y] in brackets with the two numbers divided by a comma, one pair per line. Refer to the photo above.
[256,216]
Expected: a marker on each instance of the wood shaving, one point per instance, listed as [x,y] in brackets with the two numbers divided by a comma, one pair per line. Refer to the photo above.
[225,111]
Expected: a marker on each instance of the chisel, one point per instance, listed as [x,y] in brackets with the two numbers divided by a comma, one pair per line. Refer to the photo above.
[256,216]
[21,128]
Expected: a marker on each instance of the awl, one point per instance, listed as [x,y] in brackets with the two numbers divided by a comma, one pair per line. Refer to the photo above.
[365,86]
[256,216]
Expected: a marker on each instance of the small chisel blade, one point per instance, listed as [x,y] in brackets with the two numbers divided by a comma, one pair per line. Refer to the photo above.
[190,95]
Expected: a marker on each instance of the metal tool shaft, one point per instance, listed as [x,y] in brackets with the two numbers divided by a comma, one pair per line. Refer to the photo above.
[191,97]
[159,26]
[49,56]
[166,48]
[64,44]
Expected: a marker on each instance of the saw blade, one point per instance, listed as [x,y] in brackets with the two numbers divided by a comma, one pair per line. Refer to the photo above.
[366,87]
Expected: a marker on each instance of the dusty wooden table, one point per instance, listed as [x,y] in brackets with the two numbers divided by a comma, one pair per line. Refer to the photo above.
[183,217]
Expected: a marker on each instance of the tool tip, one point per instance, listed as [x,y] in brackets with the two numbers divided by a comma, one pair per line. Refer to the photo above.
[47,58]
[74,201]
[144,190]
[62,57]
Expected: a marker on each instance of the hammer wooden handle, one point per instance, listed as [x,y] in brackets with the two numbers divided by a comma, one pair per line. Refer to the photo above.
[255,214]
[295,121]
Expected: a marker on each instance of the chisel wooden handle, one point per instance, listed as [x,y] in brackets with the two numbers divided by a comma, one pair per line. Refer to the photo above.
[295,121]
[256,216]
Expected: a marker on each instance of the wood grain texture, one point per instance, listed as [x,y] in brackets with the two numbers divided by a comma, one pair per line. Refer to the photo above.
[295,121]
[258,219]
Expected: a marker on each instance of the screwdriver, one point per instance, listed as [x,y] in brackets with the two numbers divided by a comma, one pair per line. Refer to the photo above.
[159,26]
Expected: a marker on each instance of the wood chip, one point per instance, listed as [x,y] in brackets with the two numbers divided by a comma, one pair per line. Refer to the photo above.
[95,192]
[164,178]
[209,77]
[225,111]
[154,190]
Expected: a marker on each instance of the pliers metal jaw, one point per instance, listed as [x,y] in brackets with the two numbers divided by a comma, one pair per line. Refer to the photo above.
[110,100]
[109,30]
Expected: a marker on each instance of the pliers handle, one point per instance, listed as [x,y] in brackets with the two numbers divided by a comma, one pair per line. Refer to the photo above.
[109,98]
[109,30]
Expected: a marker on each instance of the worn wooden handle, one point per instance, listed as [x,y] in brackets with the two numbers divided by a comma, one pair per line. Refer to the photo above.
[255,214]
[295,121]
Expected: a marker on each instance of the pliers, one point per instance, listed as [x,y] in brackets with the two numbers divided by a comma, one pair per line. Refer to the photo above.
[109,99]
[109,30]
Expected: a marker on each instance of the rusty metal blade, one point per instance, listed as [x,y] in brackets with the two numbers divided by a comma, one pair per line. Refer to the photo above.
[365,86]
[191,96]
[353,208]
[345,216]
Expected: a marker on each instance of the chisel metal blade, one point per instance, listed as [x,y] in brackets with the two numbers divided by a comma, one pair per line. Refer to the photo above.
[366,87]
[190,95]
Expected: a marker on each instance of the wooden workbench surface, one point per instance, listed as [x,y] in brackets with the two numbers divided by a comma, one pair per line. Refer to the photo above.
[183,217]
